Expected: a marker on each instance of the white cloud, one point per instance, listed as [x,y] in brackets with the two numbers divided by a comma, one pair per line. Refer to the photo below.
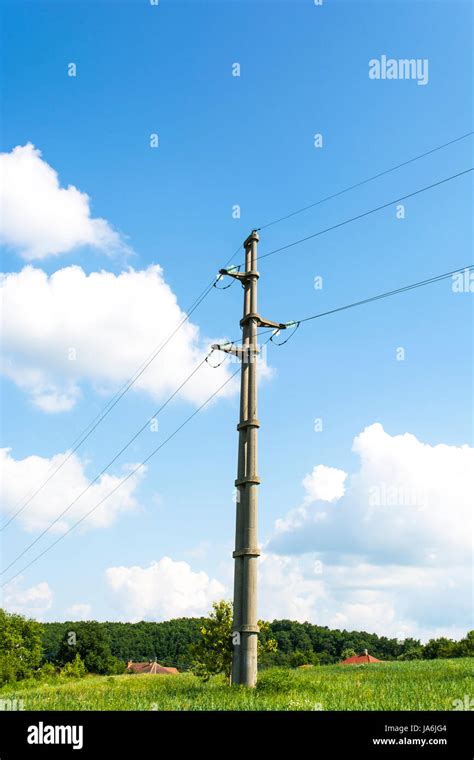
[397,600]
[394,551]
[286,591]
[79,612]
[21,477]
[390,600]
[31,602]
[324,484]
[71,328]
[40,218]
[410,503]
[164,590]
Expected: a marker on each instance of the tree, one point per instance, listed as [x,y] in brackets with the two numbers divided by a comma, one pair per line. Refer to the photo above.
[466,646]
[20,646]
[414,653]
[89,640]
[212,655]
[266,644]
[298,658]
[284,641]
[346,653]
[440,648]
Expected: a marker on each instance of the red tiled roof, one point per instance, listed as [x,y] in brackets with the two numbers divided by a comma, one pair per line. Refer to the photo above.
[359,659]
[153,668]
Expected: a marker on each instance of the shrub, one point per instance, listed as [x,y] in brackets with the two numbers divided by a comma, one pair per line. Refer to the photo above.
[298,659]
[74,669]
[8,668]
[47,672]
[116,667]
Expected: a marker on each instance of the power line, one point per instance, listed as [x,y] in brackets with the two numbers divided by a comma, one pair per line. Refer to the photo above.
[107,409]
[387,294]
[421,283]
[390,293]
[124,448]
[124,480]
[89,429]
[364,181]
[365,213]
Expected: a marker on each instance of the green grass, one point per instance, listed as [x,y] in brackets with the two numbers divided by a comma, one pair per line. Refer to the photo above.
[420,685]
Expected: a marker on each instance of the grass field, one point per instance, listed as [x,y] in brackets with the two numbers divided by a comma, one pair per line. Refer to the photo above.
[419,685]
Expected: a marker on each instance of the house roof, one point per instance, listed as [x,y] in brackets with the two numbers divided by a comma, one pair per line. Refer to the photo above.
[153,668]
[359,659]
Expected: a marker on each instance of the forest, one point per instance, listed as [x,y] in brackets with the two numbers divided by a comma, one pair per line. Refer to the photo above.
[298,643]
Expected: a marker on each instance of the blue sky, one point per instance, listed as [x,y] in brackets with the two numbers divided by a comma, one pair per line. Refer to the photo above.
[247,140]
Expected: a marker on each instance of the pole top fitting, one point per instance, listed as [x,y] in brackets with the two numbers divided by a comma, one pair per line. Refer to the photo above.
[253,237]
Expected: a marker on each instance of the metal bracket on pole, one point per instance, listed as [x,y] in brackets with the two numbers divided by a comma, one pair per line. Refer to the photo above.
[247,551]
[231,348]
[242,276]
[262,322]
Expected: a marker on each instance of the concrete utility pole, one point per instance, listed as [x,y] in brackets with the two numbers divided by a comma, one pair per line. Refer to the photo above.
[245,624]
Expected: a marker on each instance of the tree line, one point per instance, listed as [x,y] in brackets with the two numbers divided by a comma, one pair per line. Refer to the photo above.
[30,649]
[169,642]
